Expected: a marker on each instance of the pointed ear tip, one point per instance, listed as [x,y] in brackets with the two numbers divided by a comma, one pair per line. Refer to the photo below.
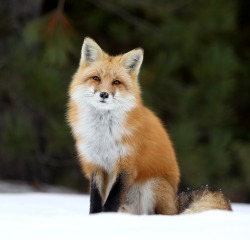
[88,39]
[141,50]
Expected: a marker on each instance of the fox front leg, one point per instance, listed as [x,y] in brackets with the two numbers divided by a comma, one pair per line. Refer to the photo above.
[117,193]
[96,184]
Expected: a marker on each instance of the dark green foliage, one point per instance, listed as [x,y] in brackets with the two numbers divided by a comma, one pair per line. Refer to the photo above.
[195,77]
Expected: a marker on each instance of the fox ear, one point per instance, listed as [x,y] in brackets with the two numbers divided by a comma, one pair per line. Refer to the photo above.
[91,52]
[132,60]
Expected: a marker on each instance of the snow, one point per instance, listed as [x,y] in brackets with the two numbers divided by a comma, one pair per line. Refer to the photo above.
[65,216]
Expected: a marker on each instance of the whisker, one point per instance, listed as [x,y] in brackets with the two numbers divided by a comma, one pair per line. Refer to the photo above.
[122,102]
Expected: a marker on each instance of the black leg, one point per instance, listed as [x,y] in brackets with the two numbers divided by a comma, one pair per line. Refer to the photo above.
[95,197]
[113,201]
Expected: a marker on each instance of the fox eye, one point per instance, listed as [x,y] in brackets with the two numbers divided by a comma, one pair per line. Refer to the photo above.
[96,78]
[116,82]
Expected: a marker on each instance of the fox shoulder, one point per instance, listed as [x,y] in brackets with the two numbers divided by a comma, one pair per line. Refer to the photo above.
[202,199]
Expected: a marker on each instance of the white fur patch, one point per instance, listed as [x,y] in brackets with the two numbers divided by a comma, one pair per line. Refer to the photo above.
[140,199]
[101,127]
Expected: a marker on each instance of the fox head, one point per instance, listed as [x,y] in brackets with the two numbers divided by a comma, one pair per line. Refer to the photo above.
[106,82]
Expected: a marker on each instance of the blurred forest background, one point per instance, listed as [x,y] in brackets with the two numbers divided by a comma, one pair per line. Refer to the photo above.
[195,76]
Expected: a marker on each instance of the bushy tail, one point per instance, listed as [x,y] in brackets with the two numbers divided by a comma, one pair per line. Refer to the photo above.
[202,199]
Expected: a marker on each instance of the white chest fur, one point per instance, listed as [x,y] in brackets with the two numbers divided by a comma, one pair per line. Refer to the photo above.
[101,132]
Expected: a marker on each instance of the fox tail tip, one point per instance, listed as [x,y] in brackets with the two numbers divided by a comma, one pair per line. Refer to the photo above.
[202,199]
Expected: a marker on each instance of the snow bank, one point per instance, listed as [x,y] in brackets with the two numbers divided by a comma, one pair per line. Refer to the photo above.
[46,216]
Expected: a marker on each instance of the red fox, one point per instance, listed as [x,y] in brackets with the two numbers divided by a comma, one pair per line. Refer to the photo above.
[123,148]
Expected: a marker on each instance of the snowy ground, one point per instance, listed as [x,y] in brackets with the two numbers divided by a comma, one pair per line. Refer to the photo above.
[65,216]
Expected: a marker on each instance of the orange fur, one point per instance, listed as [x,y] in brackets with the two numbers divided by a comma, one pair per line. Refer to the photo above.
[152,155]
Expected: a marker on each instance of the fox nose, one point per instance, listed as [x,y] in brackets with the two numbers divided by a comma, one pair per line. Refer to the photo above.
[104,95]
